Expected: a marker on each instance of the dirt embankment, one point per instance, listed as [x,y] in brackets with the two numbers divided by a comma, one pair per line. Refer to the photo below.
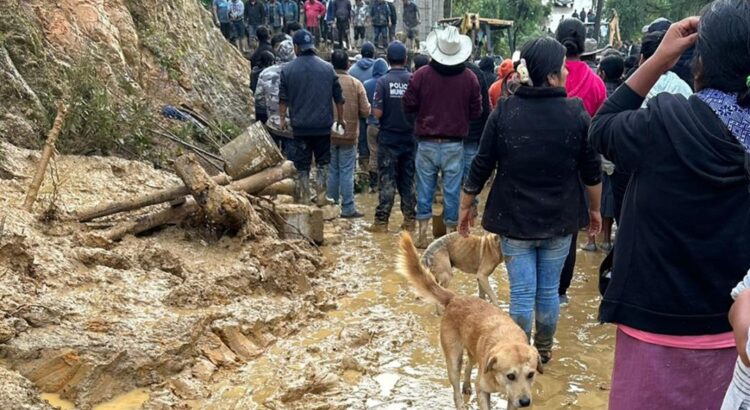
[175,310]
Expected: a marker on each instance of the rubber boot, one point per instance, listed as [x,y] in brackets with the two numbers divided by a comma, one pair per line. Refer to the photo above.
[422,241]
[378,227]
[373,182]
[302,188]
[321,181]
[409,225]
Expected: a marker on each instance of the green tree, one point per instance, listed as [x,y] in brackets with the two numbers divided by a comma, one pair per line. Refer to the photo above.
[634,14]
[528,17]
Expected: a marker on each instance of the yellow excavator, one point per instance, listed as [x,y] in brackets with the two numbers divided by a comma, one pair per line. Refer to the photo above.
[478,28]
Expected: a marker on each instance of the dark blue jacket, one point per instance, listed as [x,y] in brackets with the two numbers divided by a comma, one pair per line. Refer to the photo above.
[307,86]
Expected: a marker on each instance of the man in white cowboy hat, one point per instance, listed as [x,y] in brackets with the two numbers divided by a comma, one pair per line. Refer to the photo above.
[445,96]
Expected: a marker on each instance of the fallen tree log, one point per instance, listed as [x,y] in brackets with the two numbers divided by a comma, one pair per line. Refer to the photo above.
[164,195]
[252,185]
[176,214]
[222,206]
[283,187]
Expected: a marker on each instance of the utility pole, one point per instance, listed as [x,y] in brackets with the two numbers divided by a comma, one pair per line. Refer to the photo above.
[598,19]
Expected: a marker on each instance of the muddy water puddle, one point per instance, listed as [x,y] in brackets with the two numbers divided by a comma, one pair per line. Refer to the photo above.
[410,371]
[132,400]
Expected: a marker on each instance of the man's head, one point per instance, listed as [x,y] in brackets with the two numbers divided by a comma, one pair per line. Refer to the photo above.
[285,52]
[340,59]
[612,67]
[650,43]
[276,39]
[263,34]
[303,42]
[396,54]
[368,50]
[421,60]
[292,27]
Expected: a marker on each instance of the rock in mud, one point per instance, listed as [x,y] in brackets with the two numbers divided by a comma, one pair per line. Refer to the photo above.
[7,330]
[315,383]
[18,393]
[154,257]
[101,257]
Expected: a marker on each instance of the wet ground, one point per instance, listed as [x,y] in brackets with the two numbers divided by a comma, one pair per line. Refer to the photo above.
[404,368]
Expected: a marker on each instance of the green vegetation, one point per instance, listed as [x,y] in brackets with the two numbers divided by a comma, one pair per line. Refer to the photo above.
[634,14]
[100,122]
[528,16]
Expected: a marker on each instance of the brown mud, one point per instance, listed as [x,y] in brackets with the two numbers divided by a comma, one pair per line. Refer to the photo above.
[178,319]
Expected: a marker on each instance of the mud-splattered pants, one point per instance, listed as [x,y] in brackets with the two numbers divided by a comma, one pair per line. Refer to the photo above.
[534,274]
[396,172]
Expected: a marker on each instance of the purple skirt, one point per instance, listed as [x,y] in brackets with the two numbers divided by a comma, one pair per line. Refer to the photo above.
[648,376]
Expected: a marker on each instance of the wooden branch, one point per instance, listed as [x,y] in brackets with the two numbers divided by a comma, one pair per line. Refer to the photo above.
[47,151]
[164,195]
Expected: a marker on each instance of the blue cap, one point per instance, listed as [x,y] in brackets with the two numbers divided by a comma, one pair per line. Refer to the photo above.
[396,51]
[368,49]
[304,40]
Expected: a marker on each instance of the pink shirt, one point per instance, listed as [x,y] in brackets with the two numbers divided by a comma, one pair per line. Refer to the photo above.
[313,11]
[702,342]
[583,83]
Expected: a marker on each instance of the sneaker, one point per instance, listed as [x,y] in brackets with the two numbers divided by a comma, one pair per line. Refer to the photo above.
[564,300]
[354,215]
[589,247]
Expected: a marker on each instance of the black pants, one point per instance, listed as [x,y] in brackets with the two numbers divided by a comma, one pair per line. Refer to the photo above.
[308,147]
[566,276]
[226,30]
[396,168]
[342,25]
[359,33]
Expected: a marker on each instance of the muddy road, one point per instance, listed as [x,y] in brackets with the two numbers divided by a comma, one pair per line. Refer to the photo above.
[384,340]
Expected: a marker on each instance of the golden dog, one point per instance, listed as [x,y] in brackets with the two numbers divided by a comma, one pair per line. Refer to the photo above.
[507,363]
[479,255]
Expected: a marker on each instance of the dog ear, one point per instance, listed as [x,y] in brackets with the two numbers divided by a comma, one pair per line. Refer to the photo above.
[490,364]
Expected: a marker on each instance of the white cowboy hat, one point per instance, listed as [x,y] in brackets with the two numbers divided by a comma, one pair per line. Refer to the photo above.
[448,46]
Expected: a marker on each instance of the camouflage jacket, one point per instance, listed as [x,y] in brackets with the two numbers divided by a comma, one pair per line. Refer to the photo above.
[268,92]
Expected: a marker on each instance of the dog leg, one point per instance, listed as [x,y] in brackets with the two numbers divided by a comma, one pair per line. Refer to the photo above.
[483,398]
[484,284]
[453,356]
[467,376]
[482,294]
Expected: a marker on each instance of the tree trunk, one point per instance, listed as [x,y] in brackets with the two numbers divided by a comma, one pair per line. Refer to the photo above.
[252,184]
[144,223]
[598,19]
[164,195]
[47,151]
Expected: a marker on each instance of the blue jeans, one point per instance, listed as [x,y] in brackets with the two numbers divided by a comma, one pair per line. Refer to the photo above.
[380,31]
[433,158]
[534,268]
[470,151]
[341,176]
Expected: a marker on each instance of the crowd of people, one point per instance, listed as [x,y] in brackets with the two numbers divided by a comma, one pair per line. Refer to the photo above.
[340,23]
[575,141]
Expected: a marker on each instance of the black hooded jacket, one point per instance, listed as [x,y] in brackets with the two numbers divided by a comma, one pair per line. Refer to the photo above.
[684,240]
[477,126]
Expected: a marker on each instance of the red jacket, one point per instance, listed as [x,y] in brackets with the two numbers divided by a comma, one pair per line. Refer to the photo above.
[444,104]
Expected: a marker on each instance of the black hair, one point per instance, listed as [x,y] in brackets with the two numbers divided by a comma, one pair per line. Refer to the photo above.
[368,53]
[631,62]
[262,34]
[340,59]
[278,38]
[266,59]
[722,54]
[292,26]
[544,56]
[421,60]
[613,66]
[571,33]
[650,43]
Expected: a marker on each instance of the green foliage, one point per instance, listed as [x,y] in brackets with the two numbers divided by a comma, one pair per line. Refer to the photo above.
[528,17]
[99,122]
[634,14]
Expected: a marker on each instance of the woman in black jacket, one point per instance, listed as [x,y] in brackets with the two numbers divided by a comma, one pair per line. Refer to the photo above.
[537,141]
[684,240]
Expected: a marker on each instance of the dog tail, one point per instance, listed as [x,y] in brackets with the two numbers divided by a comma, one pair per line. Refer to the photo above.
[411,268]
